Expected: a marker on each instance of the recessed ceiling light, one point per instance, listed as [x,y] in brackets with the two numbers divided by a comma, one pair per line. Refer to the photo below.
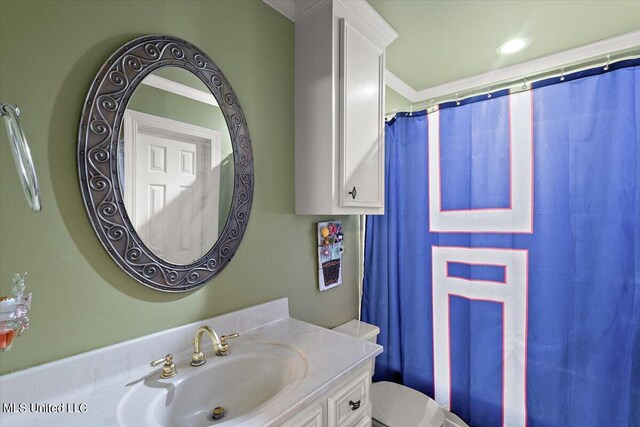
[513,46]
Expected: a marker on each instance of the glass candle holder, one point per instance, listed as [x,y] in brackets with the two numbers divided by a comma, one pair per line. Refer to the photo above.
[13,313]
[9,330]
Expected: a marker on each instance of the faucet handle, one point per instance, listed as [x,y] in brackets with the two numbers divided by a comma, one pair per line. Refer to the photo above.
[168,369]
[224,338]
[223,350]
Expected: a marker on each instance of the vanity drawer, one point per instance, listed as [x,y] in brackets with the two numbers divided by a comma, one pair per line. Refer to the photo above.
[350,402]
[308,417]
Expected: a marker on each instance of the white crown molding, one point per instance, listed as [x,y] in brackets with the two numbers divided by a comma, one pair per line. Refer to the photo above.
[357,10]
[362,12]
[540,65]
[307,7]
[284,7]
[397,84]
[179,89]
[295,9]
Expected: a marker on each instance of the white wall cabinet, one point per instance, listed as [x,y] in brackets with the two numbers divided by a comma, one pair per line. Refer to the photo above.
[339,107]
[346,405]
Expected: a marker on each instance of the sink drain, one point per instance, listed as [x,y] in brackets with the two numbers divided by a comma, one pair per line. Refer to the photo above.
[217,413]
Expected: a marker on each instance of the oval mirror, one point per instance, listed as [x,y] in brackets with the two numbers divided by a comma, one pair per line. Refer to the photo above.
[165,163]
[175,165]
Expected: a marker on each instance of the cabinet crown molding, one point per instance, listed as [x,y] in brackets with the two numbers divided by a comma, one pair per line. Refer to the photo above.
[366,20]
[357,11]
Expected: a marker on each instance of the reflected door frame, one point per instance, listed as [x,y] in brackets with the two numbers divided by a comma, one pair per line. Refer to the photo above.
[135,123]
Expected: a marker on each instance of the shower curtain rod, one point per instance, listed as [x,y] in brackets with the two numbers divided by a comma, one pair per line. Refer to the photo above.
[524,82]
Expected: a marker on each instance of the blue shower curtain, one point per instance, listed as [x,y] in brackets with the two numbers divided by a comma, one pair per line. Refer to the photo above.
[505,273]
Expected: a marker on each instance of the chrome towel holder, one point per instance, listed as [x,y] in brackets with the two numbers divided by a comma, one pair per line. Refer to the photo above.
[21,155]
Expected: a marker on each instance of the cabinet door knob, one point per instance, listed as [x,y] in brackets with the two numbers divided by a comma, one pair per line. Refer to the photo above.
[353,192]
[354,405]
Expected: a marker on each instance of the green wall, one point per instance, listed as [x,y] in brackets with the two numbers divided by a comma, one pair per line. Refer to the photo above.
[49,53]
[394,102]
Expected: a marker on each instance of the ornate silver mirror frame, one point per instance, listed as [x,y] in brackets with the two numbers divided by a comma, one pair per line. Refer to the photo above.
[98,136]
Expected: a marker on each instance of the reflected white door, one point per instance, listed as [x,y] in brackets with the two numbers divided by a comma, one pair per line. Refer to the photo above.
[172,180]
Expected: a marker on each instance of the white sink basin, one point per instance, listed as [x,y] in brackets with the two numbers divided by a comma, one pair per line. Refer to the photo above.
[277,366]
[242,383]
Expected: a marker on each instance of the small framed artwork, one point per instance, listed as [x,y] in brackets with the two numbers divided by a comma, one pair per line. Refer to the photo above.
[330,249]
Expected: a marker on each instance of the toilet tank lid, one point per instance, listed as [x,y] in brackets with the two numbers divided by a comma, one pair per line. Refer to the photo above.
[358,329]
[396,405]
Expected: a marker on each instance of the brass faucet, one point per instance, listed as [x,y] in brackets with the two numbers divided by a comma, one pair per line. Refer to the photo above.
[220,345]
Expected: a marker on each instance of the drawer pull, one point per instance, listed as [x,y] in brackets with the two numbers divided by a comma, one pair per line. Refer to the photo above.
[354,405]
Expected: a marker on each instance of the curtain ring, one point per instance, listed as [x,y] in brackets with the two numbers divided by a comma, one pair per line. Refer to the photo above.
[489,91]
[457,99]
[606,67]
[524,82]
[562,74]
[432,106]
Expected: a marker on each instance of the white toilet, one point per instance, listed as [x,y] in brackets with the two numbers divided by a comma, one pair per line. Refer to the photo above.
[395,405]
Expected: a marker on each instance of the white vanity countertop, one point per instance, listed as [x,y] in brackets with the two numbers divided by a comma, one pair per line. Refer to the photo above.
[95,382]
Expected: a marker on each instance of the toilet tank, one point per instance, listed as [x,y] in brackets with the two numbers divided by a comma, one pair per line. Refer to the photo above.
[358,329]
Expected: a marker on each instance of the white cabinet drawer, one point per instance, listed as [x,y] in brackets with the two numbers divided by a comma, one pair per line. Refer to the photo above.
[308,417]
[350,402]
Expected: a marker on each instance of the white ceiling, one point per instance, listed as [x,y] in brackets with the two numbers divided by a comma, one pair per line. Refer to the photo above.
[442,41]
